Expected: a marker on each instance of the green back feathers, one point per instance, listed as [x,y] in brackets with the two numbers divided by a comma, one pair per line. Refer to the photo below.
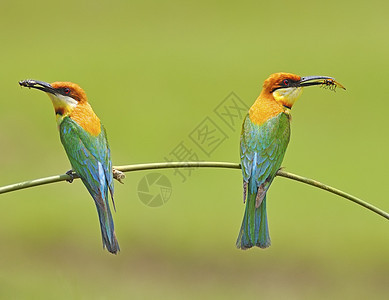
[85,150]
[266,144]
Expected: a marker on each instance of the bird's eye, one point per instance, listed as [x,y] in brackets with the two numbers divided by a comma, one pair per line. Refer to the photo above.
[285,82]
[66,91]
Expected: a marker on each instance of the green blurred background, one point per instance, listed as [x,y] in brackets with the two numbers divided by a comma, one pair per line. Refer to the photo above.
[153,70]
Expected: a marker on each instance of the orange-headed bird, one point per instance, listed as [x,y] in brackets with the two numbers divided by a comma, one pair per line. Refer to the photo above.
[85,142]
[264,138]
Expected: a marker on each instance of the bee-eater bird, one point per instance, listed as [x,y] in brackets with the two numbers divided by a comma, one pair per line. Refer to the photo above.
[264,138]
[85,142]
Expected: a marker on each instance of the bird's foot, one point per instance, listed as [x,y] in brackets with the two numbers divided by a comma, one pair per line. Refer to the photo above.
[118,175]
[72,176]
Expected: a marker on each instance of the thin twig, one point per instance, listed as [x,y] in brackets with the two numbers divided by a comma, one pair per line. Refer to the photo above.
[167,165]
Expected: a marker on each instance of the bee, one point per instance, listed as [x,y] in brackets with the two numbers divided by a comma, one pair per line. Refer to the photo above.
[27,83]
[331,84]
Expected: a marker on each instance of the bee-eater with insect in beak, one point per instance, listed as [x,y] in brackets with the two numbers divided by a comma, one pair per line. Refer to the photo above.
[264,138]
[85,142]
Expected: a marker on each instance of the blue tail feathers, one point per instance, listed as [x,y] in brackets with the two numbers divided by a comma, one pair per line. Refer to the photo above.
[107,229]
[254,230]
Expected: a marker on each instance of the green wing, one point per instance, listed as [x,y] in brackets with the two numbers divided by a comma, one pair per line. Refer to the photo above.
[262,149]
[89,156]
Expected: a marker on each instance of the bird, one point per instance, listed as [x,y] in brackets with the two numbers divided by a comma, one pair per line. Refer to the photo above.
[85,141]
[263,141]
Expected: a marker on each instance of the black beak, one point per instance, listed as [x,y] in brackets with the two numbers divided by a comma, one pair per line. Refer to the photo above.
[36,84]
[315,80]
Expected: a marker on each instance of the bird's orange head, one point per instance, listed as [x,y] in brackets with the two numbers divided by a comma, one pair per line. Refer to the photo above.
[69,100]
[286,88]
[66,96]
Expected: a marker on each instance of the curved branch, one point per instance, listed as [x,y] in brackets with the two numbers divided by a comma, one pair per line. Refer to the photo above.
[334,191]
[167,165]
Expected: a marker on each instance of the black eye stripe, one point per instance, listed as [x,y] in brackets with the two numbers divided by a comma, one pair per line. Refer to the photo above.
[285,83]
[289,83]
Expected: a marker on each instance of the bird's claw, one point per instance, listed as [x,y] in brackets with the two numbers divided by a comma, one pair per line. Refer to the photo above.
[118,175]
[71,174]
